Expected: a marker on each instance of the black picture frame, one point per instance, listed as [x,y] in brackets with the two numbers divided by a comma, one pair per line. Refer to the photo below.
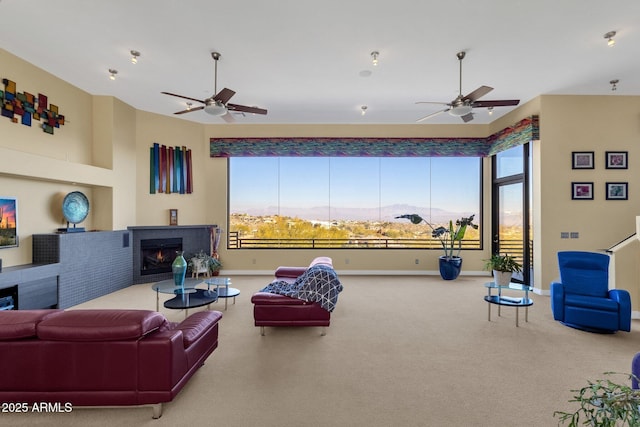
[582,190]
[617,190]
[616,159]
[8,222]
[582,160]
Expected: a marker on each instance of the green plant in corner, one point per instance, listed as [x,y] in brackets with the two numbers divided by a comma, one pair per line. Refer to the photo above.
[451,237]
[604,403]
[505,263]
[202,260]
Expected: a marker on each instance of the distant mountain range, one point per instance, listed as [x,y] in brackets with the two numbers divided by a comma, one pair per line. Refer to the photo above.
[385,213]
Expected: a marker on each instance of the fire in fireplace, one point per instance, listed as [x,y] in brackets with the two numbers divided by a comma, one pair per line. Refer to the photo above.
[157,255]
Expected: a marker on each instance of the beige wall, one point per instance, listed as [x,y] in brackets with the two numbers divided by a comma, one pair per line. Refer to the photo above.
[584,123]
[94,152]
[103,151]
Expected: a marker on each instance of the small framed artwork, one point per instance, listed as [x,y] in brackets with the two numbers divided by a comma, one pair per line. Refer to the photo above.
[617,190]
[582,159]
[582,190]
[616,159]
[8,222]
[173,216]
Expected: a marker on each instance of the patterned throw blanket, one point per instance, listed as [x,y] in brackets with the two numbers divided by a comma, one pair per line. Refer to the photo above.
[318,284]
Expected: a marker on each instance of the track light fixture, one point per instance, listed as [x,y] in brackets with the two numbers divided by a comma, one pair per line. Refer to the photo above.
[614,84]
[189,104]
[374,56]
[112,73]
[363,110]
[609,36]
[134,56]
[490,110]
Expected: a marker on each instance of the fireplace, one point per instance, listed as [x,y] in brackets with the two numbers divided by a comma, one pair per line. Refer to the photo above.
[9,298]
[157,255]
[194,238]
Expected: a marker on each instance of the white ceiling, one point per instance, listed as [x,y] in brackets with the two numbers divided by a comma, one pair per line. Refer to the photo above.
[302,60]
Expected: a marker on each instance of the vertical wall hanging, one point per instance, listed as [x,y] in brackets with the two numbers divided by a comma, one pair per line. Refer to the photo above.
[170,170]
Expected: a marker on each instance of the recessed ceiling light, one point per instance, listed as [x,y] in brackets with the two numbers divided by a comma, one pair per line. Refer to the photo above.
[610,35]
[374,57]
[614,84]
[134,56]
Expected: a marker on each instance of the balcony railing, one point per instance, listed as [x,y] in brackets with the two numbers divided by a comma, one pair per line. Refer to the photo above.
[237,242]
[511,247]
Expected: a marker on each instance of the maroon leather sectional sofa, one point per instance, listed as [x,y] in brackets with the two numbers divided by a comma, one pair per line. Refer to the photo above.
[101,357]
[271,309]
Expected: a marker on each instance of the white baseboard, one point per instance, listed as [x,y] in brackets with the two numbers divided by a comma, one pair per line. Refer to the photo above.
[342,272]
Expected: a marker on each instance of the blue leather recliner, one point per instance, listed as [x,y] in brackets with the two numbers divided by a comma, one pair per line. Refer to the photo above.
[582,299]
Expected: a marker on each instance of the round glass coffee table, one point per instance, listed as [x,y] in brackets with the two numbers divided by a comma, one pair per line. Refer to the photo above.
[223,290]
[186,297]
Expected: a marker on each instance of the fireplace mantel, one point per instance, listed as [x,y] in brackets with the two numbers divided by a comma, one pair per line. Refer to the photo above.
[171,227]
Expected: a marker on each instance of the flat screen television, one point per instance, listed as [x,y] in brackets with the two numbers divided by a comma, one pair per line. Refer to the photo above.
[8,222]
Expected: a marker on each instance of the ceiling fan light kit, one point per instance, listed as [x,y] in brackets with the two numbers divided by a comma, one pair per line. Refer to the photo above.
[460,110]
[215,109]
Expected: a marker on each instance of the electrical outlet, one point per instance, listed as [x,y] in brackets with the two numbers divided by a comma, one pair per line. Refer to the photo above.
[575,235]
[346,261]
[564,234]
[253,261]
[417,261]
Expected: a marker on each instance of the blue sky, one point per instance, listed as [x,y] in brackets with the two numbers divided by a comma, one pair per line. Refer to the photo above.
[450,183]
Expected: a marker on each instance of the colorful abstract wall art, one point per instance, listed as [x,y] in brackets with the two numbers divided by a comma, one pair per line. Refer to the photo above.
[170,169]
[29,107]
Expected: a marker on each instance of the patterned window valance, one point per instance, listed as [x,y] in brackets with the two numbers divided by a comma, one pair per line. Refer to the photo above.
[521,133]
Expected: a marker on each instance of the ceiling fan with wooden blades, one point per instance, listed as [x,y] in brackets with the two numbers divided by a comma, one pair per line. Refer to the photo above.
[463,106]
[218,104]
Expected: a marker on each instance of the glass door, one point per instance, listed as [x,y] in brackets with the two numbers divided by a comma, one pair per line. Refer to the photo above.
[510,220]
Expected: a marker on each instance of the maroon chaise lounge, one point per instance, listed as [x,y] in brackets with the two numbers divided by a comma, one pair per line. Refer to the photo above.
[271,309]
[101,357]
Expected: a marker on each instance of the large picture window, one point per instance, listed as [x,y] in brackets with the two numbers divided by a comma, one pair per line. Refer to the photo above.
[349,202]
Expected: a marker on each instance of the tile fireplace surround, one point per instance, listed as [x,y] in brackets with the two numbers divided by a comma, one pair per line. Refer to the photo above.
[194,238]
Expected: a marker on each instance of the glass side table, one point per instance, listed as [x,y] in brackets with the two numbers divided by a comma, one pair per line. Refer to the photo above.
[223,289]
[508,301]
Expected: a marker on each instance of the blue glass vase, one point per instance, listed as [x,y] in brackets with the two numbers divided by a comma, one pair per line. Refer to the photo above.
[179,269]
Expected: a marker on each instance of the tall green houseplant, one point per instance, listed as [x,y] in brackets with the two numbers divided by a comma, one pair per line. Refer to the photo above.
[450,264]
[450,238]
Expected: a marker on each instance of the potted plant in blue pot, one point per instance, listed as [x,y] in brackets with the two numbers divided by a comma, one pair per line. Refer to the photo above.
[450,238]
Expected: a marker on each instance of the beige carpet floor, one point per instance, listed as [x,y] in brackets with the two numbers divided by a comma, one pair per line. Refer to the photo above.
[401,351]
